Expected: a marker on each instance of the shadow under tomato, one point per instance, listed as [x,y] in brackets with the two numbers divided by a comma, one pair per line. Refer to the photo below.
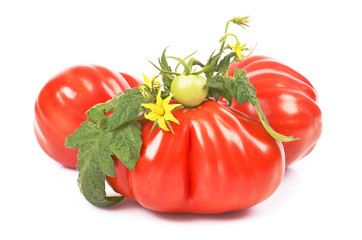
[187,217]
[128,204]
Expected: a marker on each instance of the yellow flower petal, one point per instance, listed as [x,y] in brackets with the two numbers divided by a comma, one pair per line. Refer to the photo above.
[153,107]
[170,117]
[167,100]
[147,81]
[161,122]
[159,99]
[153,116]
[171,107]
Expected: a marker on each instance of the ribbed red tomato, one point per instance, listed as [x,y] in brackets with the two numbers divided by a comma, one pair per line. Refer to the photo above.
[288,100]
[218,160]
[62,102]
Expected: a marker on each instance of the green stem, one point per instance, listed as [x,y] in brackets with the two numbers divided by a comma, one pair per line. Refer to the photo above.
[187,70]
[226,31]
[164,71]
[271,131]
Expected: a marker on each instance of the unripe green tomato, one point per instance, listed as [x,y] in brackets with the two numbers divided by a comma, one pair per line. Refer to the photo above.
[189,90]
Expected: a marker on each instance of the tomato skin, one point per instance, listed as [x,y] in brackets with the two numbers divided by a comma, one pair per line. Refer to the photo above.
[218,160]
[62,102]
[288,100]
[132,81]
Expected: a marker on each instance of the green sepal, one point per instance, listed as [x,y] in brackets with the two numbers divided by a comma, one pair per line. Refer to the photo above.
[210,66]
[167,78]
[187,69]
[194,62]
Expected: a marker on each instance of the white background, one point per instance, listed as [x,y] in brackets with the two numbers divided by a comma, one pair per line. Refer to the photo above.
[320,196]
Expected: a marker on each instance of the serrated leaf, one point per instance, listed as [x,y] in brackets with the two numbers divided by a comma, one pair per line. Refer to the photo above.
[93,143]
[91,183]
[217,88]
[163,61]
[107,106]
[166,77]
[209,68]
[127,109]
[215,82]
[94,162]
[126,144]
[224,63]
[242,90]
[94,115]
[167,80]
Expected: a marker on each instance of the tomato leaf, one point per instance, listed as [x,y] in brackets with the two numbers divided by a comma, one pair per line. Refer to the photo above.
[243,91]
[127,108]
[97,142]
[166,77]
[217,88]
[223,66]
[94,162]
[107,106]
[126,144]
[241,88]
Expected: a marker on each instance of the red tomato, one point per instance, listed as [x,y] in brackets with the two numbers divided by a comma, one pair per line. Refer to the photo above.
[62,102]
[218,160]
[288,100]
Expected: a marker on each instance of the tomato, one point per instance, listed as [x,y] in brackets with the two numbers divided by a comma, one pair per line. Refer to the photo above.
[189,90]
[288,100]
[62,102]
[218,160]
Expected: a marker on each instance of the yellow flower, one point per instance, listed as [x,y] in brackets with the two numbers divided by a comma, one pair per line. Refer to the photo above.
[161,111]
[238,48]
[149,83]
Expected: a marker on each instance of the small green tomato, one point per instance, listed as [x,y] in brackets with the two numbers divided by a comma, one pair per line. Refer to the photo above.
[189,90]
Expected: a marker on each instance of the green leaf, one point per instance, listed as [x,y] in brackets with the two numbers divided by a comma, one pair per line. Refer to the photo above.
[163,61]
[94,115]
[215,82]
[94,162]
[166,77]
[210,67]
[243,91]
[241,88]
[223,66]
[126,144]
[217,88]
[127,109]
[107,106]
[92,184]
